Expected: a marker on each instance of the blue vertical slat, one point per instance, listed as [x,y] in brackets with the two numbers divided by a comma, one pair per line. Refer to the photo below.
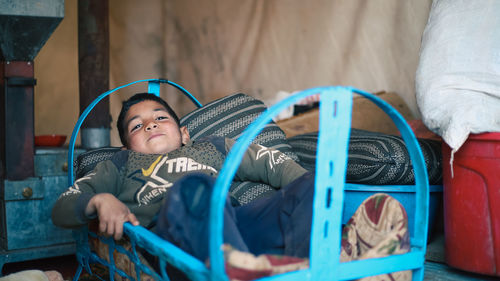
[154,87]
[334,125]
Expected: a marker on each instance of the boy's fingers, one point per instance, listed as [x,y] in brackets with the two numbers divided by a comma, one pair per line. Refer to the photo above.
[118,231]
[110,229]
[133,220]
[102,226]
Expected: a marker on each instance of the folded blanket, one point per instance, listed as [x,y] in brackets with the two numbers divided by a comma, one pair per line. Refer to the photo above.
[378,228]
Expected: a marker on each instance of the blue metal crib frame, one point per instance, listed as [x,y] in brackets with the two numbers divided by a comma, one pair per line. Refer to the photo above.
[335,121]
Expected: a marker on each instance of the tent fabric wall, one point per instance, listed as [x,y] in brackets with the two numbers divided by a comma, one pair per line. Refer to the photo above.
[217,47]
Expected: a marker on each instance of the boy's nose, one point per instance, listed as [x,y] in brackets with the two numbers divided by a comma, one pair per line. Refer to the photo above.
[151,126]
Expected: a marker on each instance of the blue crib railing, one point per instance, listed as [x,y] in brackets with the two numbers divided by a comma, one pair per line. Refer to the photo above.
[153,87]
[335,116]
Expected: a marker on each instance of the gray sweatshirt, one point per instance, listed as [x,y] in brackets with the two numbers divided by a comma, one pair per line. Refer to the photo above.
[141,181]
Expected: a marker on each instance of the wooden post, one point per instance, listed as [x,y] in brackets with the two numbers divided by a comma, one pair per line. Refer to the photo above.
[93,58]
[17,120]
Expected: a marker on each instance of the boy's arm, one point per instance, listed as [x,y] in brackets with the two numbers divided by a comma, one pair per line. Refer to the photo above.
[112,214]
[266,165]
[91,196]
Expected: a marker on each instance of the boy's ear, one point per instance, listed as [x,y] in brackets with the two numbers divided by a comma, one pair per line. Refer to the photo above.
[184,135]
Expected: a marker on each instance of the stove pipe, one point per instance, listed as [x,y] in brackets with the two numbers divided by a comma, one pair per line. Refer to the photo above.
[25,26]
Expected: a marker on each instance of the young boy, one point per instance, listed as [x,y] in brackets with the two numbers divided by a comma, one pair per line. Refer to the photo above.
[162,173]
[134,184]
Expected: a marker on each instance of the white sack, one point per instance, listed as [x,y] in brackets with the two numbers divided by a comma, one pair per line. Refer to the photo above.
[458,77]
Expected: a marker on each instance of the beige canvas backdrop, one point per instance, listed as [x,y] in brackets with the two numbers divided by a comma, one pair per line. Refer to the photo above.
[217,47]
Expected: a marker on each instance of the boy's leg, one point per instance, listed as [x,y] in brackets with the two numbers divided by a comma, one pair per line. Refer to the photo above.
[277,224]
[296,216]
[183,218]
[281,223]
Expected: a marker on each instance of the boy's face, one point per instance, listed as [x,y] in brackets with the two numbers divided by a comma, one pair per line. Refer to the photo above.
[151,130]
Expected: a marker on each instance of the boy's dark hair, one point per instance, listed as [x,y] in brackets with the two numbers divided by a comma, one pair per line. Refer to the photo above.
[135,99]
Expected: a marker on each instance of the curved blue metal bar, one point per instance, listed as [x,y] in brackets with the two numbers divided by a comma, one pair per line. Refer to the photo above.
[416,156]
[166,251]
[191,97]
[89,108]
[412,260]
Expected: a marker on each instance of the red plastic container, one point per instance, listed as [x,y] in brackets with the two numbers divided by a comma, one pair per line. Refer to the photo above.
[471,201]
[50,140]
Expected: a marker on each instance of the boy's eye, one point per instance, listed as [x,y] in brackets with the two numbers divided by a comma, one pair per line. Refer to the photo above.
[161,117]
[135,127]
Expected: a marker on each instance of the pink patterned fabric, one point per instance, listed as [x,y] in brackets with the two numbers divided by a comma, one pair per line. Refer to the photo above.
[378,228]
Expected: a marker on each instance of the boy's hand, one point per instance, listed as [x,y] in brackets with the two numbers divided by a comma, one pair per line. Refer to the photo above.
[112,214]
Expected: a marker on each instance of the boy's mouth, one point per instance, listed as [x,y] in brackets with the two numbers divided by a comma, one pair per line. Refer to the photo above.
[154,136]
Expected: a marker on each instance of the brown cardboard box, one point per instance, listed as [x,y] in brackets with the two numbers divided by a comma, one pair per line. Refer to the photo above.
[365,115]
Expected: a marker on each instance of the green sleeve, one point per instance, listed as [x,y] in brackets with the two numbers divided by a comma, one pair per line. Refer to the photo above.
[69,209]
[266,165]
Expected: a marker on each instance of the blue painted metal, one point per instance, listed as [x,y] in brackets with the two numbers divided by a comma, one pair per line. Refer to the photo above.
[355,194]
[35,253]
[421,178]
[153,86]
[335,126]
[335,113]
[27,231]
[143,238]
[184,91]
[52,161]
[325,237]
[28,221]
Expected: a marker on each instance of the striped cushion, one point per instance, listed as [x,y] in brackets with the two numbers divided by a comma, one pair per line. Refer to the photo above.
[375,158]
[228,117]
[87,161]
[246,192]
